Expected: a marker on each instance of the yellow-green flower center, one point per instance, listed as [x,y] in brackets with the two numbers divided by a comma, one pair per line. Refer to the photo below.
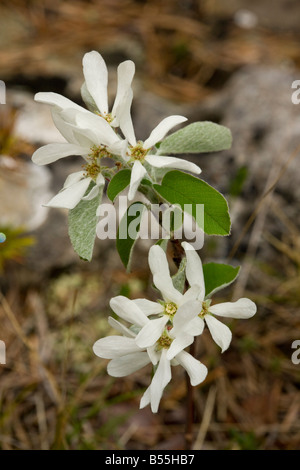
[107,116]
[164,341]
[170,309]
[92,168]
[205,308]
[138,152]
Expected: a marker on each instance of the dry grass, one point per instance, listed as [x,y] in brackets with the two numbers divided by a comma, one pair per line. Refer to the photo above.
[183,53]
[56,394]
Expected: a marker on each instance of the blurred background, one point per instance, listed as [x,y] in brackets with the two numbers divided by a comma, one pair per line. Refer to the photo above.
[230,62]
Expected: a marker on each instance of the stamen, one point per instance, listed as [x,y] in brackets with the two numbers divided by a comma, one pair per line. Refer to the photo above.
[170,309]
[138,152]
[107,116]
[99,152]
[205,308]
[164,341]
[92,168]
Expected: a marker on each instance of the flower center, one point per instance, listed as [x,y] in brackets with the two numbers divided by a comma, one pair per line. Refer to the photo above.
[107,116]
[164,341]
[92,168]
[205,308]
[138,152]
[170,309]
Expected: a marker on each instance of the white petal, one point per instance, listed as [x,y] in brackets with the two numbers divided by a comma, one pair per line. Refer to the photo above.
[121,328]
[161,274]
[64,127]
[159,161]
[102,131]
[122,366]
[174,362]
[124,120]
[195,326]
[221,334]
[168,291]
[87,98]
[92,194]
[137,174]
[125,75]
[153,354]
[65,121]
[119,148]
[148,307]
[194,270]
[128,310]
[73,178]
[162,129]
[195,369]
[160,380]
[57,100]
[178,344]
[145,400]
[191,294]
[69,198]
[95,74]
[150,333]
[114,346]
[52,152]
[185,313]
[100,180]
[242,308]
[84,137]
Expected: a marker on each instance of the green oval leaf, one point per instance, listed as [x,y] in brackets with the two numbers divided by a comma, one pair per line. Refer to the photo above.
[198,137]
[128,232]
[194,195]
[179,278]
[118,183]
[217,276]
[83,220]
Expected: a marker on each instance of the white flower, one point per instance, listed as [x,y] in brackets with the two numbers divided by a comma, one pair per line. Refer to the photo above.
[94,90]
[93,141]
[74,190]
[95,87]
[87,134]
[177,309]
[127,356]
[242,308]
[87,131]
[143,159]
[195,369]
[160,339]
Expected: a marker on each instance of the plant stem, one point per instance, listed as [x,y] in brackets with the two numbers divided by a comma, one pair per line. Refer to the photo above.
[150,194]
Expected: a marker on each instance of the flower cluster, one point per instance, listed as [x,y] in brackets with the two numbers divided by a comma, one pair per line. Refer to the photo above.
[160,331]
[156,333]
[97,133]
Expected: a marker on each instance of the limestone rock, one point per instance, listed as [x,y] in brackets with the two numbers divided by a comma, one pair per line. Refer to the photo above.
[24,188]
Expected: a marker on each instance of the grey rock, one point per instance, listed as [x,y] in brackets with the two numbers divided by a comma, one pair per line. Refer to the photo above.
[24,188]
[33,122]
